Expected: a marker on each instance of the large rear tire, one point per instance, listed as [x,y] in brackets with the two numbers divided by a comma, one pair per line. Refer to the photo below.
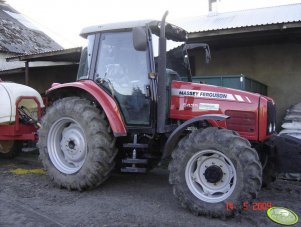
[10,148]
[213,169]
[76,144]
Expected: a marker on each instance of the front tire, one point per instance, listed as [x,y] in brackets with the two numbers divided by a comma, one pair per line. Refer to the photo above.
[213,169]
[76,144]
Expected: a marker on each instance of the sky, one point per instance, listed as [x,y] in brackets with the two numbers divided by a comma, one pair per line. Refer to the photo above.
[63,19]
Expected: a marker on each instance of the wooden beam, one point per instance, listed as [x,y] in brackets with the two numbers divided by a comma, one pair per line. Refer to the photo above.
[26,73]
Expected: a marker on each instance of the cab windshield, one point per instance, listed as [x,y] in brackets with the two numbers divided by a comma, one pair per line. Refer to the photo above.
[85,59]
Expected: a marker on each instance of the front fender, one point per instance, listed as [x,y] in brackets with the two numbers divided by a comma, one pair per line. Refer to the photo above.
[106,102]
[175,136]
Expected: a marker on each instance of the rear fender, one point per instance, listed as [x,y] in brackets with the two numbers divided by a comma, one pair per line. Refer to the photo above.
[88,89]
[176,134]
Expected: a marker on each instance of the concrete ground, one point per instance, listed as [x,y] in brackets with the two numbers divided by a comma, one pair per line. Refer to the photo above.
[30,199]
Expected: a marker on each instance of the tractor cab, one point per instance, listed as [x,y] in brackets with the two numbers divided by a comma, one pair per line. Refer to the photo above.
[125,60]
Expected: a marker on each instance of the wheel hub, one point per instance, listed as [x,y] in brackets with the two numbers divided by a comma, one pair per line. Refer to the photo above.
[210,175]
[73,144]
[213,174]
[67,145]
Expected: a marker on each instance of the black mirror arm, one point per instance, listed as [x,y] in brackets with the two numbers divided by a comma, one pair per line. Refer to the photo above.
[188,65]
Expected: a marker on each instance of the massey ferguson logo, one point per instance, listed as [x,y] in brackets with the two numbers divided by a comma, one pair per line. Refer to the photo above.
[214,95]
[202,94]
[188,93]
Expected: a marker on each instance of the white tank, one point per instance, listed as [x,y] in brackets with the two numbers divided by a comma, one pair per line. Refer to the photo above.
[9,94]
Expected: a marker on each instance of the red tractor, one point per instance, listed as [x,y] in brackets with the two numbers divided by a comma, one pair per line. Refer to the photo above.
[130,109]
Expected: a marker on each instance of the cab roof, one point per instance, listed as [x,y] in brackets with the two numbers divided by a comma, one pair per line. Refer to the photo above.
[172,31]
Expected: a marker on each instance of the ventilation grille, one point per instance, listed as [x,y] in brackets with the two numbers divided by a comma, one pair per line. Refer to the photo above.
[241,121]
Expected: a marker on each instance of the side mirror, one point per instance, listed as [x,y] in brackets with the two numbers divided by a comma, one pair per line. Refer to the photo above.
[198,45]
[207,54]
[139,39]
[186,59]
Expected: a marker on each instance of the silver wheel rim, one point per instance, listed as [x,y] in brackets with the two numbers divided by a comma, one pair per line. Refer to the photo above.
[67,147]
[195,175]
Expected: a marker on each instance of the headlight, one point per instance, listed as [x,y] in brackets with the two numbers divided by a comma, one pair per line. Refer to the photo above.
[270,128]
[271,118]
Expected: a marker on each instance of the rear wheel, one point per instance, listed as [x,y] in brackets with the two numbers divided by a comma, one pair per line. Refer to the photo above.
[10,148]
[76,145]
[213,169]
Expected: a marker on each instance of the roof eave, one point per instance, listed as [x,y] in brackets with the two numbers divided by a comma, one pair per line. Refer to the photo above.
[247,29]
[44,55]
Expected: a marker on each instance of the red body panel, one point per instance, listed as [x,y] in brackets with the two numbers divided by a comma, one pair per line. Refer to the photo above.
[24,132]
[189,100]
[107,103]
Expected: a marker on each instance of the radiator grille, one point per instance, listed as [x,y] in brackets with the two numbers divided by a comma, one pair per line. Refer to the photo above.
[241,121]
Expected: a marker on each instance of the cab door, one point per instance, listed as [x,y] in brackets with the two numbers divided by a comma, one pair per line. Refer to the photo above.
[123,71]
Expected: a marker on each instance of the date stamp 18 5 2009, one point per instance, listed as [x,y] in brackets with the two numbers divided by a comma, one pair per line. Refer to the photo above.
[255,206]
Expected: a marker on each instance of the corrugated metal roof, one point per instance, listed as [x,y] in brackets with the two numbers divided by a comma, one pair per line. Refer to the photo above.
[246,18]
[67,55]
[18,35]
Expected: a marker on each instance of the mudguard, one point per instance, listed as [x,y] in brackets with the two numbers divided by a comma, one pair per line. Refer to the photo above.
[107,103]
[175,136]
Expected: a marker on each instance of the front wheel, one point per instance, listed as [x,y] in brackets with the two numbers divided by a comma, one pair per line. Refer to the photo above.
[210,176]
[214,171]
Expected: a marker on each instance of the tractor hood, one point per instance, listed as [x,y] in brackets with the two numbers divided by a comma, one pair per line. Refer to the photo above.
[189,100]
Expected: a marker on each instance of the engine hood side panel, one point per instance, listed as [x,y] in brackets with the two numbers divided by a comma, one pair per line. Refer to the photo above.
[189,100]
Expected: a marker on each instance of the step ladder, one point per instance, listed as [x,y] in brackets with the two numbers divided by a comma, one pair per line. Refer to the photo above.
[132,162]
